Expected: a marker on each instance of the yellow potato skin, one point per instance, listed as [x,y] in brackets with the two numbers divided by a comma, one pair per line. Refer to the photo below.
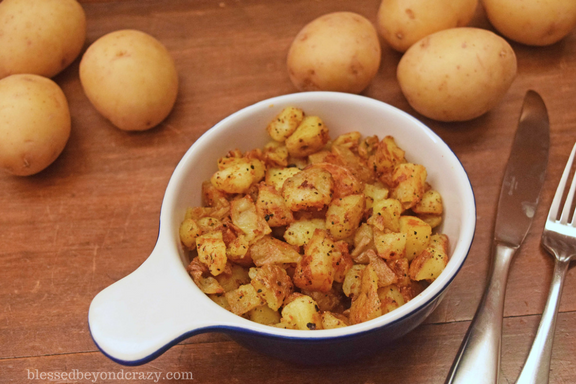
[336,52]
[457,74]
[130,78]
[403,22]
[34,123]
[40,36]
[532,22]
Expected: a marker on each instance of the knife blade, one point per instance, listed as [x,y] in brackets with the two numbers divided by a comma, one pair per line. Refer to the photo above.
[478,359]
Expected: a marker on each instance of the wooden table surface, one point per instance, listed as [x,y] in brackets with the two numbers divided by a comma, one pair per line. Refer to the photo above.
[91,218]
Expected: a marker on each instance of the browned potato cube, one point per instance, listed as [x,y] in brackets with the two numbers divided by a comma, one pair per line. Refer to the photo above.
[409,182]
[311,188]
[230,281]
[302,313]
[401,268]
[315,271]
[244,216]
[276,154]
[272,283]
[353,280]
[239,175]
[276,176]
[366,306]
[431,203]
[386,215]
[344,215]
[431,262]
[390,245]
[333,300]
[244,299]
[189,231]
[348,140]
[374,193]
[264,315]
[212,252]
[299,232]
[269,250]
[390,298]
[285,123]
[386,157]
[418,235]
[345,183]
[201,277]
[432,220]
[272,207]
[309,137]
[386,276]
[333,320]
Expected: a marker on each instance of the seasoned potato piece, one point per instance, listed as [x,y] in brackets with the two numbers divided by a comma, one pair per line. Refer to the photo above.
[300,232]
[319,157]
[366,305]
[353,280]
[363,242]
[417,235]
[431,203]
[221,300]
[310,189]
[271,206]
[333,320]
[268,250]
[386,215]
[285,123]
[344,264]
[357,165]
[390,298]
[345,183]
[431,262]
[213,197]
[401,268]
[344,215]
[212,252]
[189,231]
[367,147]
[239,176]
[390,245]
[310,136]
[348,140]
[209,224]
[432,220]
[230,281]
[243,299]
[315,271]
[264,315]
[272,283]
[201,277]
[276,176]
[374,193]
[244,216]
[386,157]
[303,313]
[276,154]
[237,251]
[410,182]
[386,276]
[333,300]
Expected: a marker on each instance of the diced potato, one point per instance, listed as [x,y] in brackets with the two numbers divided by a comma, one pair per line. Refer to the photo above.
[272,283]
[201,277]
[189,231]
[431,262]
[299,232]
[401,268]
[221,300]
[285,123]
[230,281]
[431,203]
[213,197]
[309,137]
[357,165]
[210,224]
[333,300]
[385,275]
[244,216]
[390,245]
[333,320]
[348,140]
[276,153]
[264,315]
[363,241]
[390,298]
[353,280]
[366,305]
[432,220]
[268,250]
[386,157]
[344,215]
[276,176]
[212,252]
[237,251]
[374,193]
[345,183]
[367,147]
[310,189]
[271,206]
[410,182]
[386,215]
[243,299]
[316,270]
[344,263]
[318,157]
[239,176]
[418,235]
[303,313]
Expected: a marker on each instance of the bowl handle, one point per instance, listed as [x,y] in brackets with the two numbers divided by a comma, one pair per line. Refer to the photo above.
[140,316]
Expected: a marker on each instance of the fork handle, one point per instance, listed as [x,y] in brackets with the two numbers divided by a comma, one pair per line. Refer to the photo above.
[537,366]
[478,360]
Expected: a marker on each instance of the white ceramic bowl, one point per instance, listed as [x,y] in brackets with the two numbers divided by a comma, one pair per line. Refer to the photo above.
[139,317]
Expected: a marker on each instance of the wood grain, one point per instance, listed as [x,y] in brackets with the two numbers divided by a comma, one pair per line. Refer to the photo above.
[91,218]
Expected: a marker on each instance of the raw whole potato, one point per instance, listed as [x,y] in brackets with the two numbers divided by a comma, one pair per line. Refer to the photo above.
[34,123]
[40,36]
[403,22]
[336,52]
[130,78]
[532,22]
[457,74]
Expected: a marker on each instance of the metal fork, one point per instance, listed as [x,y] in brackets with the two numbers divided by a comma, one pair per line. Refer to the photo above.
[559,239]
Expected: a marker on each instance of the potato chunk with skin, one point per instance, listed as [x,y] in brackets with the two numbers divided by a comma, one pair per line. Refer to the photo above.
[309,137]
[386,157]
[353,280]
[316,270]
[300,232]
[390,298]
[366,306]
[344,215]
[244,299]
[431,262]
[345,183]
[268,250]
[272,283]
[386,215]
[212,252]
[272,207]
[285,123]
[309,189]
[410,181]
[276,176]
[303,313]
[239,176]
[230,281]
[418,235]
[201,277]
[386,276]
[333,320]
[245,217]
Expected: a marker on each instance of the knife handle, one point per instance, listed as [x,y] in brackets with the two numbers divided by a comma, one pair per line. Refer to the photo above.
[478,360]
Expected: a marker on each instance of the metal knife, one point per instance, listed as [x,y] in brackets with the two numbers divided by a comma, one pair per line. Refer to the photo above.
[478,360]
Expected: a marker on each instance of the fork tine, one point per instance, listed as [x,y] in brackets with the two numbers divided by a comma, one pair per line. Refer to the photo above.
[555,207]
